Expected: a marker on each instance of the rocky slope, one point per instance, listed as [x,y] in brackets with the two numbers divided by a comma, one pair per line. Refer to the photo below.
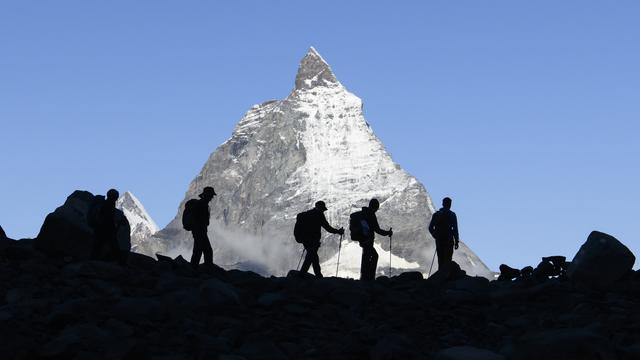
[282,157]
[57,308]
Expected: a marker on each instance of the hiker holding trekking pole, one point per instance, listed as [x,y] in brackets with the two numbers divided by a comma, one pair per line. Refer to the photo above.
[307,232]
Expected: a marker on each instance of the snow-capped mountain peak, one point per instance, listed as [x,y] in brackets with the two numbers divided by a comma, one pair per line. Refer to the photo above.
[314,71]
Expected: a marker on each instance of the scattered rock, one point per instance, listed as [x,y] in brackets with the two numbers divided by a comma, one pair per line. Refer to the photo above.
[409,276]
[392,347]
[138,310]
[507,273]
[474,284]
[141,261]
[562,344]
[216,293]
[467,353]
[601,261]
[261,349]
[270,299]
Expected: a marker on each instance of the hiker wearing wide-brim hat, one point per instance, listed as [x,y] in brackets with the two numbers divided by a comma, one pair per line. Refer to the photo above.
[207,192]
[308,232]
[195,218]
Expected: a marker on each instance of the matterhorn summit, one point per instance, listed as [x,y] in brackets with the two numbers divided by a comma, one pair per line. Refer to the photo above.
[142,225]
[285,155]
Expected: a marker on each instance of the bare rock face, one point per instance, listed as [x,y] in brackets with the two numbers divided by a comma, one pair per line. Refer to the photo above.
[282,157]
[66,232]
[601,261]
[314,71]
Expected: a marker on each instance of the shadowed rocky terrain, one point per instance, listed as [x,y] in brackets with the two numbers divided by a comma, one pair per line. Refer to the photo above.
[63,307]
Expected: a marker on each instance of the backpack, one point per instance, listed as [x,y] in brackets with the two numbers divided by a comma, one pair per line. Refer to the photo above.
[359,227]
[301,229]
[442,222]
[188,216]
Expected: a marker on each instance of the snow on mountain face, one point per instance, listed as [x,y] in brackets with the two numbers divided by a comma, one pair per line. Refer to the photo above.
[351,256]
[285,155]
[142,226]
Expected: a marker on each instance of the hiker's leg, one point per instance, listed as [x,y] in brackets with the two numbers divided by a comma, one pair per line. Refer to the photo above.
[315,261]
[374,264]
[207,250]
[445,252]
[197,248]
[366,263]
[363,264]
[307,260]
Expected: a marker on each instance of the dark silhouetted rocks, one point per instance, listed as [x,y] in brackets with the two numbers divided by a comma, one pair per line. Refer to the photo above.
[467,353]
[63,308]
[507,273]
[66,232]
[571,343]
[601,261]
[3,235]
[550,266]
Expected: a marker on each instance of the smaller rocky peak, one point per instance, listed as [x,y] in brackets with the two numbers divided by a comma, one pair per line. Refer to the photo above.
[135,212]
[128,201]
[314,71]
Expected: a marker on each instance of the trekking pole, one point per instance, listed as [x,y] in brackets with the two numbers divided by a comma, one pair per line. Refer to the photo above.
[339,247]
[390,238]
[432,260]
[299,261]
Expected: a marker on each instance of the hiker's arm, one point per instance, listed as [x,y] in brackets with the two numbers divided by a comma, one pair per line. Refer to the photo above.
[326,226]
[376,228]
[455,229]
[432,225]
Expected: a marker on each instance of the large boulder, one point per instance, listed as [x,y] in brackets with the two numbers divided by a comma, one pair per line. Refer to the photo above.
[66,231]
[600,261]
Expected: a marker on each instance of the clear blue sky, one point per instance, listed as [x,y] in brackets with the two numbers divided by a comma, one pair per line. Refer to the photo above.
[526,113]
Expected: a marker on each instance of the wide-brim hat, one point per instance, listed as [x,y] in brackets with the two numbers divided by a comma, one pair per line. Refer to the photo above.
[320,205]
[208,191]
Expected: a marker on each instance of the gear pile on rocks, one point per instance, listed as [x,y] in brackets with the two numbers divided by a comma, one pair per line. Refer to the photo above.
[64,307]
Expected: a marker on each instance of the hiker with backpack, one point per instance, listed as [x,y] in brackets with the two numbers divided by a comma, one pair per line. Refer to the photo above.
[195,218]
[102,218]
[444,228]
[363,225]
[307,231]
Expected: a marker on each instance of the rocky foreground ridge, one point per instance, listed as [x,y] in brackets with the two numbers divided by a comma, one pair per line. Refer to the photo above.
[63,307]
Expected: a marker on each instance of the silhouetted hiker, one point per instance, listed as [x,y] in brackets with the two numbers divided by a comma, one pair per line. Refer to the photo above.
[102,218]
[307,231]
[363,225]
[195,218]
[444,228]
